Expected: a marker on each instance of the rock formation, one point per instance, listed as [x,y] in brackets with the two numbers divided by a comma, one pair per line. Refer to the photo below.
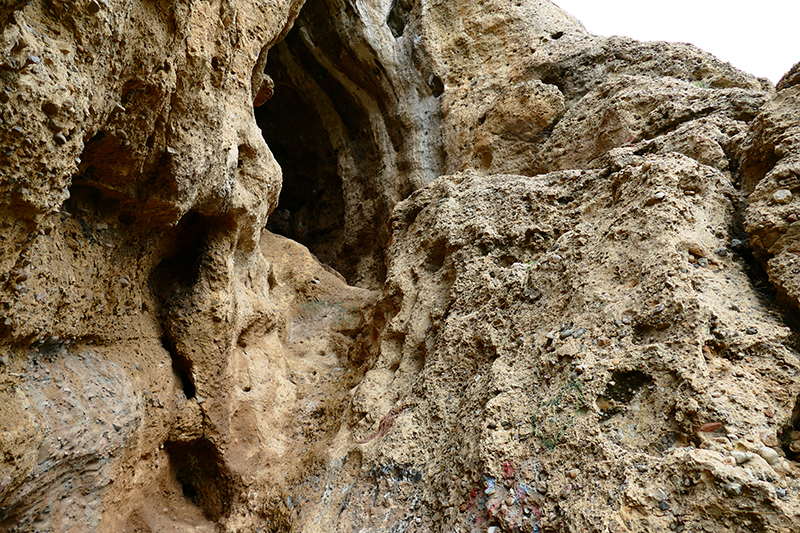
[405,265]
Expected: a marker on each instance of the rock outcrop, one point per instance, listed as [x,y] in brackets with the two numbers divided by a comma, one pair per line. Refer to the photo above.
[513,276]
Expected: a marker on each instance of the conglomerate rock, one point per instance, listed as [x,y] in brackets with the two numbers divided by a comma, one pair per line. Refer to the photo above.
[572,263]
[770,173]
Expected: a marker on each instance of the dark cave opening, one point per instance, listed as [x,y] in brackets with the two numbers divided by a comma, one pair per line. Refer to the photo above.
[311,205]
[203,477]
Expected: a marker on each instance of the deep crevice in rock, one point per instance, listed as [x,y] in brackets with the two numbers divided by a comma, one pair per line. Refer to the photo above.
[753,267]
[182,367]
[171,283]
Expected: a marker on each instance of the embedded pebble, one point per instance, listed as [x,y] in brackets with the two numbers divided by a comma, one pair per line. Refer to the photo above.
[566,333]
[734,488]
[791,218]
[769,438]
[664,506]
[782,196]
[739,246]
[741,457]
[722,252]
[51,108]
[781,493]
[769,455]
[55,126]
[751,331]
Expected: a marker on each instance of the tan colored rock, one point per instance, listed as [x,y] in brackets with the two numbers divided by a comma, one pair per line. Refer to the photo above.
[770,168]
[135,185]
[557,340]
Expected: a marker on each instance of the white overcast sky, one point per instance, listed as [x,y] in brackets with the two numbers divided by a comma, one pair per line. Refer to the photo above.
[762,38]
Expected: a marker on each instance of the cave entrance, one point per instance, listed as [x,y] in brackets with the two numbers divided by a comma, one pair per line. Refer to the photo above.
[311,208]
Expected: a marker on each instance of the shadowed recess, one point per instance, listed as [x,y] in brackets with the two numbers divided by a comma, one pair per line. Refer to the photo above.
[202,475]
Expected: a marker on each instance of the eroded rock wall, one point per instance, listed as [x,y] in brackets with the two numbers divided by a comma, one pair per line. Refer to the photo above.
[135,185]
[574,260]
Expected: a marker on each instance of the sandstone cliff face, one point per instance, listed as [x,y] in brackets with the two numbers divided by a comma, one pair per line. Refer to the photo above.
[571,259]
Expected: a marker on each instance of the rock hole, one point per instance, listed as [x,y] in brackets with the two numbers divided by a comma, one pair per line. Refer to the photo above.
[626,385]
[398,17]
[506,260]
[179,271]
[188,489]
[437,252]
[485,156]
[557,35]
[182,367]
[245,153]
[437,87]
[620,390]
[554,77]
[202,475]
[790,438]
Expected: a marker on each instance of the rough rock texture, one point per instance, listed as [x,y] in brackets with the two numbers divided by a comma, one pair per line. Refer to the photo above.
[771,174]
[135,185]
[572,263]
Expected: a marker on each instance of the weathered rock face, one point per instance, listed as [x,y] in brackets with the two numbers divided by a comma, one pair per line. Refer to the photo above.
[135,184]
[574,265]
